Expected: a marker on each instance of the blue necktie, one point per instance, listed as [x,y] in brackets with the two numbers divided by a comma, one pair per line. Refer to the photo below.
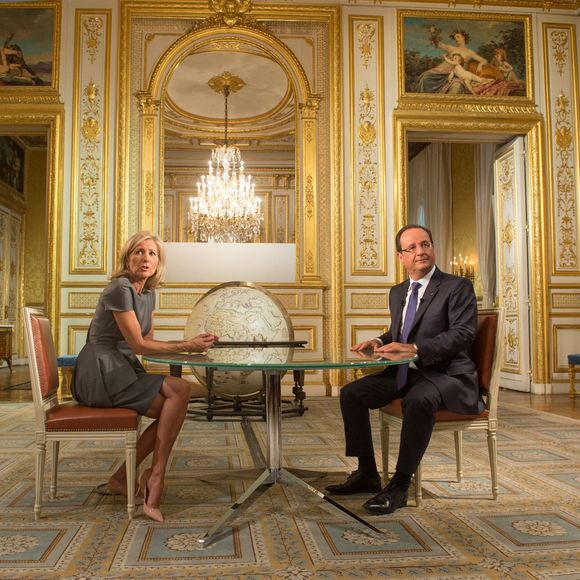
[402,370]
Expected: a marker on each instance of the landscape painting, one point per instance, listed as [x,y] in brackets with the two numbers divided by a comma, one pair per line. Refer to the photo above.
[455,54]
[27,45]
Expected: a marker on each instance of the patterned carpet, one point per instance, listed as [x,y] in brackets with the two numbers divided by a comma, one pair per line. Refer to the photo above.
[532,531]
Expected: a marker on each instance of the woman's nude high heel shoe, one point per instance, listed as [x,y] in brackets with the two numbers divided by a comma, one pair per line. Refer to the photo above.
[152,512]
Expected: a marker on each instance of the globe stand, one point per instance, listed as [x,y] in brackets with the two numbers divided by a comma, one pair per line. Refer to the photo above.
[246,406]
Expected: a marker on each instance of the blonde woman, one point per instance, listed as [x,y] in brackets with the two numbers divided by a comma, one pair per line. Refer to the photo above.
[109,374]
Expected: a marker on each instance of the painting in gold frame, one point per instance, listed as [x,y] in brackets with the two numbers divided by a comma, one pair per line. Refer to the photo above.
[465,55]
[29,47]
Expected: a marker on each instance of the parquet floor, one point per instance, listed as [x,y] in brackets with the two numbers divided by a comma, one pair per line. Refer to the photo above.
[14,388]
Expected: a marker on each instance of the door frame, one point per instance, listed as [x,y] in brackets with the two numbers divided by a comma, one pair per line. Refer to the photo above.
[531,126]
[50,117]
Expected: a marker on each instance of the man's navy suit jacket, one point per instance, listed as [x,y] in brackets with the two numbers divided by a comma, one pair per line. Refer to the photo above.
[443,330]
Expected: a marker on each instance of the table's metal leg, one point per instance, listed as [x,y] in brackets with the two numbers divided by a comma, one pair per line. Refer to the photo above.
[274,473]
[274,438]
[212,533]
[273,420]
[285,474]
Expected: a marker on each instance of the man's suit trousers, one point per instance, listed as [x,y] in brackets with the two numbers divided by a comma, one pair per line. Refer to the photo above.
[421,400]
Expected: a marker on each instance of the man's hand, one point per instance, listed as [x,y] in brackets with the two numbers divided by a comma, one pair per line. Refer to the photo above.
[372,344]
[408,349]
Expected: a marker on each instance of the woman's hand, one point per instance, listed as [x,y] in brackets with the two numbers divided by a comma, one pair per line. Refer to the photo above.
[201,342]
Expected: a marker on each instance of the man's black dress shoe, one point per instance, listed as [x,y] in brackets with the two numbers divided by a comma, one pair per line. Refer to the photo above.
[357,482]
[386,502]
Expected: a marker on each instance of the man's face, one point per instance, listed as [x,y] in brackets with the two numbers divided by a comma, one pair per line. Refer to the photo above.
[418,255]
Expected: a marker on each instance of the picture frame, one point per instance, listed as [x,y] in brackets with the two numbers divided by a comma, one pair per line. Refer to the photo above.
[465,56]
[12,164]
[29,49]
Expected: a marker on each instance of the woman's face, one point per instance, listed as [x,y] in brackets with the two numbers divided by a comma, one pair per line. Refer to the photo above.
[143,261]
[459,38]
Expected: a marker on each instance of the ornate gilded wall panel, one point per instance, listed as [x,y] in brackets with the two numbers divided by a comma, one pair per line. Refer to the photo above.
[367,200]
[83,300]
[90,161]
[368,301]
[360,331]
[565,300]
[564,341]
[178,300]
[562,106]
[510,260]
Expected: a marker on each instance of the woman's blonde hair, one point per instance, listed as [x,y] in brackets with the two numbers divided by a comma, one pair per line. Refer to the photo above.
[129,247]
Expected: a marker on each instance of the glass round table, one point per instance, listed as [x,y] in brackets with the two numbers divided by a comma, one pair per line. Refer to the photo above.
[273,361]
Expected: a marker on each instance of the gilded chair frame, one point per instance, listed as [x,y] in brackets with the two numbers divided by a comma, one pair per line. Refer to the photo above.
[46,400]
[487,422]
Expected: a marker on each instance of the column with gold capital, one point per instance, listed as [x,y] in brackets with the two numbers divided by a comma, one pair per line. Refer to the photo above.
[149,172]
[310,266]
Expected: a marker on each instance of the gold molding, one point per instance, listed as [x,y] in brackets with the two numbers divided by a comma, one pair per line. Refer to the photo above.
[467,102]
[555,328]
[50,117]
[531,126]
[563,147]
[380,329]
[367,136]
[90,146]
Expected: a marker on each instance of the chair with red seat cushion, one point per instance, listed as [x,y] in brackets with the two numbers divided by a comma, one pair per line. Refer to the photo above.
[486,355]
[56,421]
[573,363]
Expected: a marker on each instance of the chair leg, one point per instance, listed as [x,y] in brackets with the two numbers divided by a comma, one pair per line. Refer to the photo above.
[54,450]
[459,454]
[572,376]
[39,479]
[418,487]
[385,446]
[492,446]
[130,458]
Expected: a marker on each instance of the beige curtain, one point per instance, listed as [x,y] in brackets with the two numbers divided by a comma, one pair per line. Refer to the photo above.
[429,199]
[485,223]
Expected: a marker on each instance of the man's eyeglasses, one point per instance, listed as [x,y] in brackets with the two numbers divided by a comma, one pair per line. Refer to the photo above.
[414,249]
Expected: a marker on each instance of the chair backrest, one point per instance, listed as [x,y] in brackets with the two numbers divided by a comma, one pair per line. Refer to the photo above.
[42,361]
[487,352]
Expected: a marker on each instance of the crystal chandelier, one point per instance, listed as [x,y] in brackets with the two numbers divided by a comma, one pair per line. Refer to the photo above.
[225,209]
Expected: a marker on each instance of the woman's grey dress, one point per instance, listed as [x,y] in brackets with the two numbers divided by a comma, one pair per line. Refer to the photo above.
[107,373]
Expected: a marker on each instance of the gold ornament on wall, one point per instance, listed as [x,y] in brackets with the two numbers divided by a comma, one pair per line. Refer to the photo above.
[559,49]
[367,181]
[366,35]
[93,26]
[566,205]
[89,176]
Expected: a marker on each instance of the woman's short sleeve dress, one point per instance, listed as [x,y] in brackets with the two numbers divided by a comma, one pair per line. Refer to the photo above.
[107,373]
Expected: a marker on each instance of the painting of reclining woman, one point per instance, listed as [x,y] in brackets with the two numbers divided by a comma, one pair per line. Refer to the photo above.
[483,56]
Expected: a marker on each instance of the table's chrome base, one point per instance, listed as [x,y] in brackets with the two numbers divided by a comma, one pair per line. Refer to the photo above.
[253,472]
[268,477]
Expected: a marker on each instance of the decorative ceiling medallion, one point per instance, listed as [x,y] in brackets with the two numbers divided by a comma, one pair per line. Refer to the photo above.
[226,82]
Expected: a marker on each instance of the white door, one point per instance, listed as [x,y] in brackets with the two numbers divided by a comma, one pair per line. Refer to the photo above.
[10,258]
[512,263]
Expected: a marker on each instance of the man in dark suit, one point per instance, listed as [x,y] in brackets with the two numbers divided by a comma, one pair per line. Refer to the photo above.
[433,316]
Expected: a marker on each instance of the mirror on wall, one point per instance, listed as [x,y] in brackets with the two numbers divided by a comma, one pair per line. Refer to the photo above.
[261,115]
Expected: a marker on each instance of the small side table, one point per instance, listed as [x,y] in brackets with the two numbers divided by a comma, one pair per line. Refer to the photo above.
[6,331]
[573,362]
[66,364]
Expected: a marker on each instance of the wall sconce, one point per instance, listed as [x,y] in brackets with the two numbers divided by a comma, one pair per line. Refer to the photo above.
[463,266]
